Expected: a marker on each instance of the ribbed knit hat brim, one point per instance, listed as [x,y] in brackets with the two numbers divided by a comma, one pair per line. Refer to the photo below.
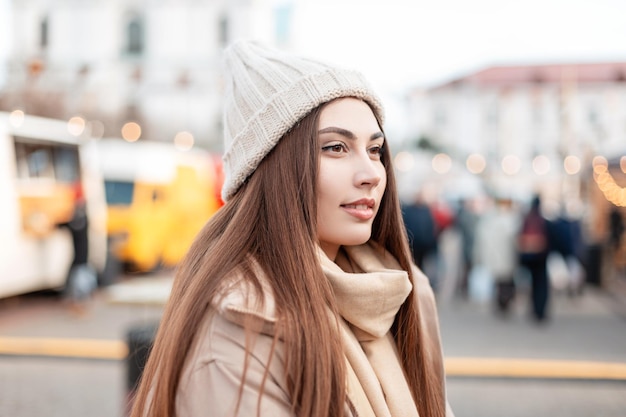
[267,92]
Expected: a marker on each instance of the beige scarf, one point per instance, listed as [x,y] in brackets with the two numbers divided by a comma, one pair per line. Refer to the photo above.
[370,287]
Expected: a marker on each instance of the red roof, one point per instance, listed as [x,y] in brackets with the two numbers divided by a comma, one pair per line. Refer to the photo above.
[547,73]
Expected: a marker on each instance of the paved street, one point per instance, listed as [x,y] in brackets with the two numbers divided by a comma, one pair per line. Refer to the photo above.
[589,328]
[487,357]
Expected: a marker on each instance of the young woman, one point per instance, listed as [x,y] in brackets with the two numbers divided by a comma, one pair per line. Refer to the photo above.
[299,297]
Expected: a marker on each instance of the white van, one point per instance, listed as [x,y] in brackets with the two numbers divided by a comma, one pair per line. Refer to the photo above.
[52,210]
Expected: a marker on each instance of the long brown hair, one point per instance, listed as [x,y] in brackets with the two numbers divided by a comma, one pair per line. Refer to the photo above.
[279,201]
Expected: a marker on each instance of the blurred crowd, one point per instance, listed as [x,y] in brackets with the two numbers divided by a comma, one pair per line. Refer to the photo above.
[486,249]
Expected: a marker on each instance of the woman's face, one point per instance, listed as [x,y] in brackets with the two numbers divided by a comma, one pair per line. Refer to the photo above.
[352,178]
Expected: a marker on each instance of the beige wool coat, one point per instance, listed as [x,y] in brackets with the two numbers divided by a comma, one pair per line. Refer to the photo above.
[369,290]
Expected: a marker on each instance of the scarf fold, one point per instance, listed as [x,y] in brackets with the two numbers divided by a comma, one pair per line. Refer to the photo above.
[370,287]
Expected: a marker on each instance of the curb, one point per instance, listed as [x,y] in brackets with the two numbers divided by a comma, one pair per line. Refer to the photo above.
[535,369]
[66,348]
[519,368]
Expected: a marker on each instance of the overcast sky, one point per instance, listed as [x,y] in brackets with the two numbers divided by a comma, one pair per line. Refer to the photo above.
[423,42]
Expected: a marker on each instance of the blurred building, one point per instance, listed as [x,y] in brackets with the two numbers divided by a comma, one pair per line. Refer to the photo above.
[555,130]
[113,61]
[528,128]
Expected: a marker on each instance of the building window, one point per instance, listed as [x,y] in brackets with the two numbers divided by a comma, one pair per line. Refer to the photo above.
[592,116]
[223,28]
[440,117]
[282,21]
[135,36]
[43,33]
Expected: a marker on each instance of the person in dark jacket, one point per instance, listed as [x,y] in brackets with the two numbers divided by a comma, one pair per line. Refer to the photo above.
[534,246]
[421,229]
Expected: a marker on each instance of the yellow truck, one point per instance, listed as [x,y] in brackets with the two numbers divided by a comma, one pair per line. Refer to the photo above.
[158,199]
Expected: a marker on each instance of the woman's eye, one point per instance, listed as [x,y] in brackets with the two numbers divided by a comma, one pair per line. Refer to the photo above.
[335,148]
[376,151]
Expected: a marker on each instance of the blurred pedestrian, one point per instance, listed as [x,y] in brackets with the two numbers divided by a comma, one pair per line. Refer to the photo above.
[566,237]
[615,244]
[299,297]
[616,228]
[82,280]
[534,246]
[421,229]
[466,221]
[496,249]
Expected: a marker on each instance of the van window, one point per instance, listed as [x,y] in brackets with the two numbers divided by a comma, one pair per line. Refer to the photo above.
[119,192]
[46,161]
[66,165]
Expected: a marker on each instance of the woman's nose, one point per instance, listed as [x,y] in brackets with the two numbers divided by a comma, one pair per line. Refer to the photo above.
[368,172]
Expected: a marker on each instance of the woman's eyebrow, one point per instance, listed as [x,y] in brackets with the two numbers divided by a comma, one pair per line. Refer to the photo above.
[348,134]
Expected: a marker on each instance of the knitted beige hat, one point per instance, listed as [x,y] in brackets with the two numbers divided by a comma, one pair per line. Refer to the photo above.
[266,92]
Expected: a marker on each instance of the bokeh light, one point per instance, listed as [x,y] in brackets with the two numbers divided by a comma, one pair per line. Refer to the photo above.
[571,164]
[600,164]
[404,161]
[511,164]
[441,163]
[131,131]
[541,165]
[476,163]
[183,141]
[76,126]
[612,191]
[16,118]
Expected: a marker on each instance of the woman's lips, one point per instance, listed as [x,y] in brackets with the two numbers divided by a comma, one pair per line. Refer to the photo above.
[362,209]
